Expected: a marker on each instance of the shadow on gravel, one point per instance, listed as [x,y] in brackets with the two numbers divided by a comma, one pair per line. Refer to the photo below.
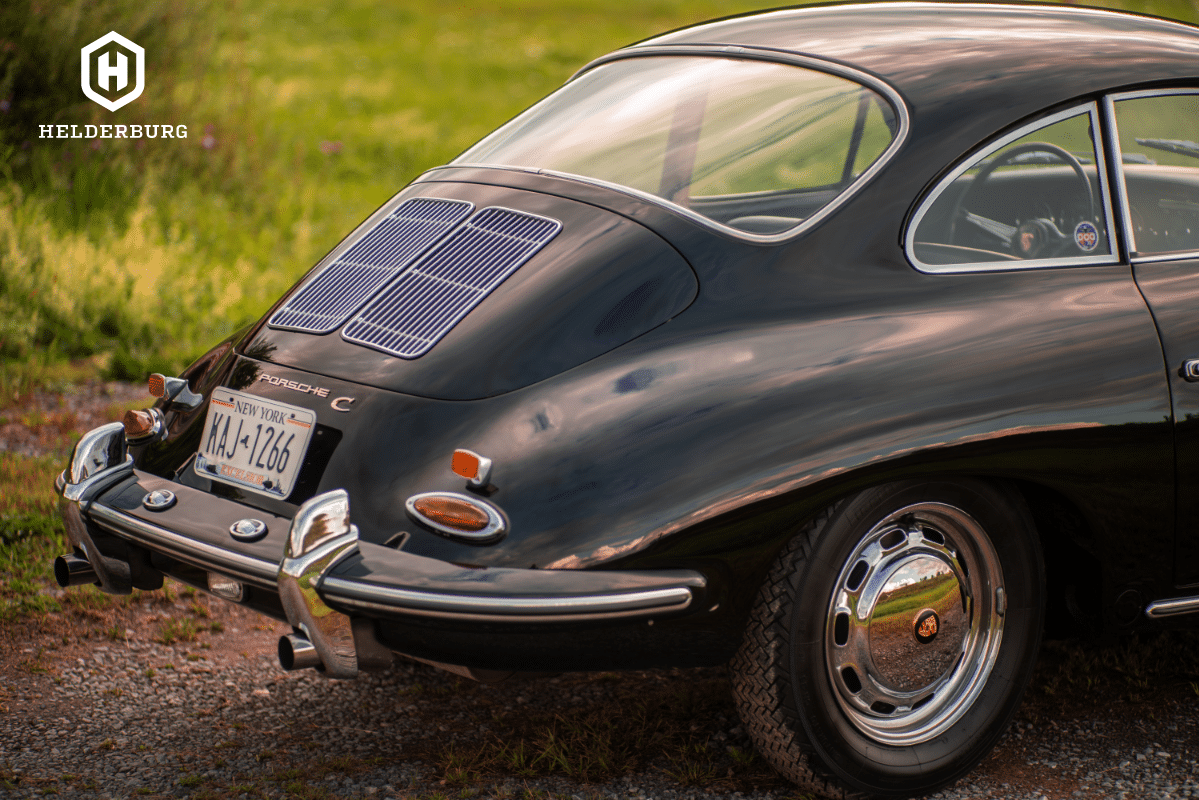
[203,710]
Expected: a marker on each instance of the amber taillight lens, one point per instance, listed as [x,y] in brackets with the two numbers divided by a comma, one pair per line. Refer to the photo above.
[138,424]
[158,385]
[452,513]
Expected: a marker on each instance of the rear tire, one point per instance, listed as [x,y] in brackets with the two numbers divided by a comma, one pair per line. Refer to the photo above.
[893,638]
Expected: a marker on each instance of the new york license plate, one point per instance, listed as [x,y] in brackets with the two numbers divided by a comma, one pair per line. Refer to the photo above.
[254,443]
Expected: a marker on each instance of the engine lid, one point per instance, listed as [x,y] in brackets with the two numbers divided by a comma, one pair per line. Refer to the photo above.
[461,291]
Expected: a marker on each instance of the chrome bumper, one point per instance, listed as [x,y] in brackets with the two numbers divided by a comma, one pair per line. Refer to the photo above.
[325,572]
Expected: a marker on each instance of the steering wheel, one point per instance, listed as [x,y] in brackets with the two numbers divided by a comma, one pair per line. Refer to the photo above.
[1035,237]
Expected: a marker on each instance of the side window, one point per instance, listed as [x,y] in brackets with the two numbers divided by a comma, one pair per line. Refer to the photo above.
[1159,146]
[1035,198]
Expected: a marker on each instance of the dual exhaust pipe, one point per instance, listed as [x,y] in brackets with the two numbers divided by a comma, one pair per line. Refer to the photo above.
[71,570]
[297,652]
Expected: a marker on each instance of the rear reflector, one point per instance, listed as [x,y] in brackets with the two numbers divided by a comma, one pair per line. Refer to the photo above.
[471,466]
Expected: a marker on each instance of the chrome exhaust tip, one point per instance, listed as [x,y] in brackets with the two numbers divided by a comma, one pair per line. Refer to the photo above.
[71,570]
[296,652]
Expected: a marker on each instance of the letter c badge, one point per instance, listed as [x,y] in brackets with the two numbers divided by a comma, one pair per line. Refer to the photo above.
[338,402]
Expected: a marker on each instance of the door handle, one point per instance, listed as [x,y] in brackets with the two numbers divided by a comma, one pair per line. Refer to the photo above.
[1190,370]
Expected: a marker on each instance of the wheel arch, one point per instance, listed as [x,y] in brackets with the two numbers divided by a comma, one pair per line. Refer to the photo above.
[1070,543]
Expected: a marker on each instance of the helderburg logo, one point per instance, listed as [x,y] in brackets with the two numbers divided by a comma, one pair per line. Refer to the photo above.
[113,74]
[114,71]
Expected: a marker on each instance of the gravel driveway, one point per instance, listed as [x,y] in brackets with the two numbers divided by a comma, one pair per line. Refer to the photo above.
[217,717]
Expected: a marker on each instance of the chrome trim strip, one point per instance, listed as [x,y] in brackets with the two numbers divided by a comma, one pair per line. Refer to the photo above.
[513,609]
[1109,103]
[1092,109]
[199,554]
[1173,607]
[753,54]
[1121,188]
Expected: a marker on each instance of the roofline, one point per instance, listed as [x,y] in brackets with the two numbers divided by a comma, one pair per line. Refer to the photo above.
[1013,5]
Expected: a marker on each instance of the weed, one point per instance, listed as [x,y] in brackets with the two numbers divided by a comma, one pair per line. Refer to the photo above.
[215,627]
[150,672]
[116,691]
[116,633]
[36,664]
[199,609]
[742,758]
[107,744]
[264,755]
[190,781]
[88,599]
[183,629]
[692,773]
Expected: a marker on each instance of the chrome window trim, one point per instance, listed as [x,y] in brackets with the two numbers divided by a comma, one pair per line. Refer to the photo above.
[1109,104]
[749,54]
[1090,108]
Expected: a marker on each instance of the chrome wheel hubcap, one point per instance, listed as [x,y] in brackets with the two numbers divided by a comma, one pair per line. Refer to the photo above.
[914,623]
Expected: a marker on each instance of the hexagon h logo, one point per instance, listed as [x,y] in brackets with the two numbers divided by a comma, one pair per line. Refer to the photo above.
[112,70]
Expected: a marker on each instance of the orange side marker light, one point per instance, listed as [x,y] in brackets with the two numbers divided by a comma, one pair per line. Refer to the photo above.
[472,466]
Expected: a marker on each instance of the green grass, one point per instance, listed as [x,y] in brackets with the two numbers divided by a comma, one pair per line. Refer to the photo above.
[31,535]
[314,116]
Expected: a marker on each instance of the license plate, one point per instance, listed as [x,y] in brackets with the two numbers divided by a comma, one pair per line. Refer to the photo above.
[254,443]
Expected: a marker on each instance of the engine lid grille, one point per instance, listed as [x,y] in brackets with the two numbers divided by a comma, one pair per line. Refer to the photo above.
[335,293]
[424,303]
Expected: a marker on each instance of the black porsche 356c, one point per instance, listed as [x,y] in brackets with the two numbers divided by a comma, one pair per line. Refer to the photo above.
[851,345]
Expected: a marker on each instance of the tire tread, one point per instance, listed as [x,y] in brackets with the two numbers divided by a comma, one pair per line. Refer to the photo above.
[760,679]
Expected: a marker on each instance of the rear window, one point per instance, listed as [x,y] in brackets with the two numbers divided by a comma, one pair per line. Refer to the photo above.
[756,146]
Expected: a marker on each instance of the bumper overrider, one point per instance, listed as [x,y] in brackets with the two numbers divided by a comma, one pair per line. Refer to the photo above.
[128,528]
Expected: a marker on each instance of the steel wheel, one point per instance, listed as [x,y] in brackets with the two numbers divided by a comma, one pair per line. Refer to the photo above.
[892,639]
[915,623]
